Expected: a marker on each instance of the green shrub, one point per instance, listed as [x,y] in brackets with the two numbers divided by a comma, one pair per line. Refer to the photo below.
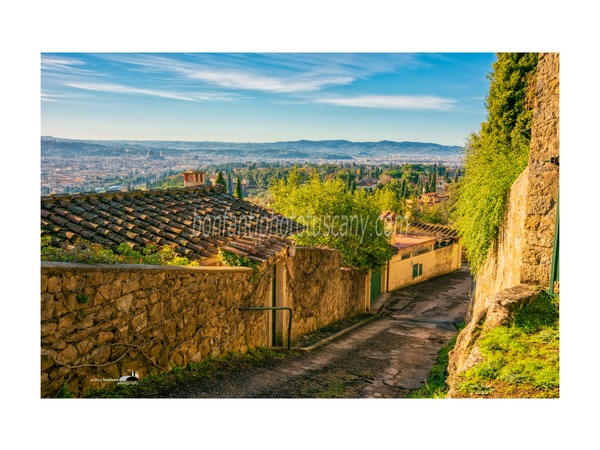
[496,155]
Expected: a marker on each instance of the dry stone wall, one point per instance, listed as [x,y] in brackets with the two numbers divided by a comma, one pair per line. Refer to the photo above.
[100,322]
[542,191]
[320,291]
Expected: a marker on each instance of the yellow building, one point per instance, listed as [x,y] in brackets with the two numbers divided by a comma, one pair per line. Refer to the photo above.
[419,258]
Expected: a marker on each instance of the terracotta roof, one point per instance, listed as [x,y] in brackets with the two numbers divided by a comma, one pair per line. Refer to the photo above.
[367,182]
[438,231]
[196,221]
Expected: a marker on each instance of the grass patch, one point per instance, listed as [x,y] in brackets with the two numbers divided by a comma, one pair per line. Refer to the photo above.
[155,383]
[435,384]
[519,360]
[337,383]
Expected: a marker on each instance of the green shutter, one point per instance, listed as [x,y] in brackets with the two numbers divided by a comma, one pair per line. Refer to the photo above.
[415,270]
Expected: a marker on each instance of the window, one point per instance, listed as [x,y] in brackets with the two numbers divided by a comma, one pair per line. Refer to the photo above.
[421,250]
[405,256]
[417,270]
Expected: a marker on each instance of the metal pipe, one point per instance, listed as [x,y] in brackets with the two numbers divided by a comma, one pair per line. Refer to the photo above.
[274,308]
[554,268]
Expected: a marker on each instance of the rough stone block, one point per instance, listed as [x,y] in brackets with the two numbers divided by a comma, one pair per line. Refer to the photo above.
[140,321]
[102,294]
[100,355]
[71,283]
[44,282]
[107,312]
[66,321]
[54,284]
[68,355]
[124,303]
[58,344]
[85,323]
[48,328]
[140,302]
[130,286]
[47,359]
[47,310]
[79,335]
[58,373]
[105,336]
[85,345]
[156,312]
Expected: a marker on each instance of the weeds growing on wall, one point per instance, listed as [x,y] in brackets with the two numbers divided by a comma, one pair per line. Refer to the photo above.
[496,155]
[87,252]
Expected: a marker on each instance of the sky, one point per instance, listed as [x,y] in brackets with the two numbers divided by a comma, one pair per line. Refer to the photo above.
[268,97]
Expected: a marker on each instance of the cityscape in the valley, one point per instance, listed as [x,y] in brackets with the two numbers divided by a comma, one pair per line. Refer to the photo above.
[71,166]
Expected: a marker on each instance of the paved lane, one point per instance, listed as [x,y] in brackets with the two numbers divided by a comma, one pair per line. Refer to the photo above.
[387,357]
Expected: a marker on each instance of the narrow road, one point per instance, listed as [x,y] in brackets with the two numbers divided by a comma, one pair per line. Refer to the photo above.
[387,357]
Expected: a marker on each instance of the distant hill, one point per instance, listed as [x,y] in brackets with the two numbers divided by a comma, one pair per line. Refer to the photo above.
[303,149]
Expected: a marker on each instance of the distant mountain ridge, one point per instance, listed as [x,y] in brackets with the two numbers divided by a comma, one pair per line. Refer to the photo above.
[302,149]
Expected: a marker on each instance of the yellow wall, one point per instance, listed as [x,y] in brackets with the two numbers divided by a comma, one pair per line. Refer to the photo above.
[435,262]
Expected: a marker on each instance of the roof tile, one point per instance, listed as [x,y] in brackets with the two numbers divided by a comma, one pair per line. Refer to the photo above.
[196,221]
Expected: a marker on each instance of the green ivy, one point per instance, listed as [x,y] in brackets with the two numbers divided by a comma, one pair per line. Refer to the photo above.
[496,155]
[232,260]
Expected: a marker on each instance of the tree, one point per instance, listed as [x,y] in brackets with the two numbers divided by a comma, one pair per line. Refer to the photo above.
[337,218]
[238,189]
[220,180]
[496,155]
[229,184]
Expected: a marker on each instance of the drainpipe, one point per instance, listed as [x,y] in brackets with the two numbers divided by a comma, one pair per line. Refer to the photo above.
[554,276]
[274,308]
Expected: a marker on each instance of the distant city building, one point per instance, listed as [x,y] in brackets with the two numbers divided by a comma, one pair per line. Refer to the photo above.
[367,183]
[152,155]
[193,178]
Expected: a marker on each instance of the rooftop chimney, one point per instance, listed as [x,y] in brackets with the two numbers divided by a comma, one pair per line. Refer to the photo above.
[192,178]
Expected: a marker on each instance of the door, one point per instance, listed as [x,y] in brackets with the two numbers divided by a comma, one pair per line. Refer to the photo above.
[375,284]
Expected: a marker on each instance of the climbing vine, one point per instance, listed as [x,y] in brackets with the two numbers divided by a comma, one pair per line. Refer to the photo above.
[496,155]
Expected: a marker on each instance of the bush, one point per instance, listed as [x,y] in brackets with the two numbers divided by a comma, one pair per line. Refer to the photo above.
[496,155]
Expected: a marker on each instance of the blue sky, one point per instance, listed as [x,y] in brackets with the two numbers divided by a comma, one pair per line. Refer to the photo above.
[250,97]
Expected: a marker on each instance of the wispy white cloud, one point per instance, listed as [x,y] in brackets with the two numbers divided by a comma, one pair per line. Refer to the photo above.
[406,102]
[63,64]
[257,82]
[123,89]
[270,73]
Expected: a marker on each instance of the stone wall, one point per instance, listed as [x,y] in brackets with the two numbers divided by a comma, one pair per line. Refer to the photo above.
[542,191]
[521,259]
[100,322]
[502,268]
[320,291]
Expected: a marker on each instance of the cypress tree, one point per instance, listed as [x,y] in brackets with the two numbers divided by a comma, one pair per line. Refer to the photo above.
[229,184]
[238,189]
